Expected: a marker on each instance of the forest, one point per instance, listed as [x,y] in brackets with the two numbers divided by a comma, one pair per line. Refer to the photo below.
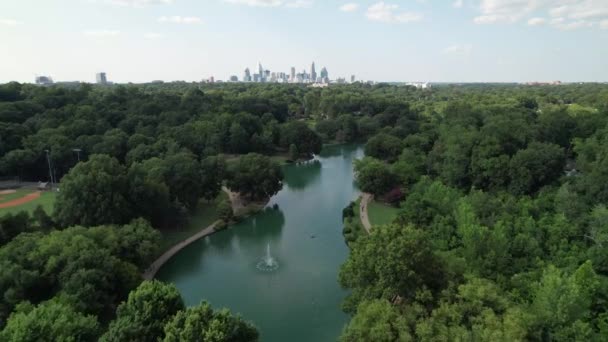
[501,191]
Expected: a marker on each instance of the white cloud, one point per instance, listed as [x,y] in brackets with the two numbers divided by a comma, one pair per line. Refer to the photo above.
[565,14]
[458,49]
[349,7]
[299,4]
[390,13]
[273,3]
[176,19]
[153,35]
[136,3]
[9,22]
[256,3]
[101,33]
[458,4]
[537,21]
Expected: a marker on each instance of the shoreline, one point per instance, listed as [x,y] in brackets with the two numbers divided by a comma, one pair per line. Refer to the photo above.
[237,207]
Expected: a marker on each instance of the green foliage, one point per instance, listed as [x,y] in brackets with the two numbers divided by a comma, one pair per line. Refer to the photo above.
[144,315]
[374,176]
[406,268]
[201,323]
[384,146]
[49,321]
[377,320]
[255,176]
[93,193]
[92,269]
[224,210]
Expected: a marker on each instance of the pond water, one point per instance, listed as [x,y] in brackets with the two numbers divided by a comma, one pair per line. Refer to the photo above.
[296,298]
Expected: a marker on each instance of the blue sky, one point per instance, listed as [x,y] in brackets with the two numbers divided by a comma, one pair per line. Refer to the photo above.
[394,40]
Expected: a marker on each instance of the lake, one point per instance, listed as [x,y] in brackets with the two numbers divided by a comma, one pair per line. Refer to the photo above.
[302,225]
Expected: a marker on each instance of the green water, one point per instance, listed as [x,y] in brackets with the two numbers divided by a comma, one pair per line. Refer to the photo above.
[301,300]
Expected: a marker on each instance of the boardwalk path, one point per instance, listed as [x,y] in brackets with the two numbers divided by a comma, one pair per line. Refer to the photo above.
[237,206]
[156,265]
[365,200]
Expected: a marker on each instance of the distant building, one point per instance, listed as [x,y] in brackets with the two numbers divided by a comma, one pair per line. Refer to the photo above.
[101,78]
[324,75]
[313,72]
[352,79]
[247,75]
[44,80]
[234,78]
[293,74]
[419,85]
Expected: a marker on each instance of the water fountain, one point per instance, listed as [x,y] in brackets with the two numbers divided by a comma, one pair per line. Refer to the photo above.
[268,263]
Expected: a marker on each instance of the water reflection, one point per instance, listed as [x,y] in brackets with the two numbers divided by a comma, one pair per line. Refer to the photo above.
[308,172]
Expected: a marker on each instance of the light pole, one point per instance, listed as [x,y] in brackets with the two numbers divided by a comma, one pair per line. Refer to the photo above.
[48,159]
[77,150]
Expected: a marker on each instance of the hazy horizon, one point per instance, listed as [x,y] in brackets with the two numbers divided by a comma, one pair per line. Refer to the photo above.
[455,41]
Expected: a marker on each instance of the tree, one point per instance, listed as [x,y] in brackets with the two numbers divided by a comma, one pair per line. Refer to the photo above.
[374,176]
[376,320]
[538,165]
[405,269]
[224,210]
[143,316]
[201,323]
[93,193]
[49,321]
[255,176]
[383,146]
[298,133]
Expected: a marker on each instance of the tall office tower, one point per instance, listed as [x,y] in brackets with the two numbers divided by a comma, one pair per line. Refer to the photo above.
[313,73]
[234,78]
[293,74]
[324,75]
[247,75]
[260,70]
[352,79]
[273,77]
[101,78]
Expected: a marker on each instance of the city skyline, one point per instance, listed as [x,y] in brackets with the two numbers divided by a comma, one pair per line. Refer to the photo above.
[436,41]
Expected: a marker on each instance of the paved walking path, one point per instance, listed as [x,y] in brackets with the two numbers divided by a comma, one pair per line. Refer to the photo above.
[235,200]
[156,265]
[365,200]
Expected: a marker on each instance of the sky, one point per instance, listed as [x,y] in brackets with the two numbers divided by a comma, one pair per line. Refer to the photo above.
[393,40]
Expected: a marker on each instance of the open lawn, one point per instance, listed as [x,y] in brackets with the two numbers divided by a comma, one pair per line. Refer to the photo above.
[46,200]
[380,213]
[204,216]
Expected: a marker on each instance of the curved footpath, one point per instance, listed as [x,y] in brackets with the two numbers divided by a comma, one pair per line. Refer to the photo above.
[158,263]
[365,200]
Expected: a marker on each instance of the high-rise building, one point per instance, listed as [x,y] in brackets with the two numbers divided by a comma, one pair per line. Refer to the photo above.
[313,72]
[101,78]
[324,75]
[260,70]
[44,80]
[247,75]
[234,78]
[352,79]
[293,74]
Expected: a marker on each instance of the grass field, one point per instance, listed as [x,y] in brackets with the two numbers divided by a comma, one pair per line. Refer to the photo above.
[46,200]
[204,215]
[380,213]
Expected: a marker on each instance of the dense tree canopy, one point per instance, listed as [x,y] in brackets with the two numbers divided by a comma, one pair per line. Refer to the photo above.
[501,234]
